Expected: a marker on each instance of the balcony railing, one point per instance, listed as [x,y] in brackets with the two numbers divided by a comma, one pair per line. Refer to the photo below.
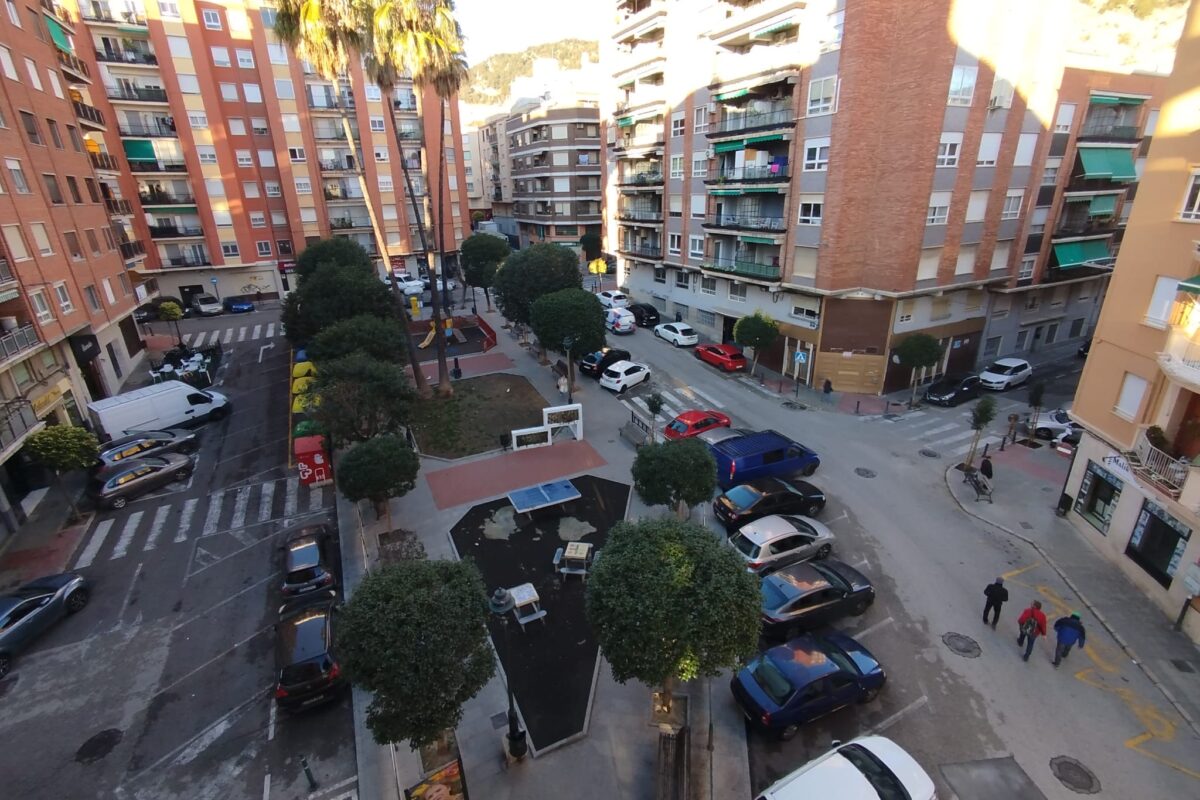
[87,113]
[336,164]
[136,93]
[334,135]
[141,129]
[187,261]
[165,199]
[752,174]
[1104,130]
[744,267]
[137,165]
[641,140]
[746,222]
[125,56]
[99,13]
[16,420]
[405,104]
[410,134]
[73,64]
[343,223]
[133,249]
[783,117]
[1163,471]
[6,273]
[18,341]
[59,11]
[330,103]
[642,179]
[117,205]
[640,250]
[105,161]
[175,231]
[640,214]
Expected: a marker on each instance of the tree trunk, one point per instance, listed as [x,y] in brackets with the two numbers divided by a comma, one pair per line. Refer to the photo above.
[488,297]
[444,388]
[971,453]
[70,499]
[912,402]
[667,696]
[682,511]
[754,366]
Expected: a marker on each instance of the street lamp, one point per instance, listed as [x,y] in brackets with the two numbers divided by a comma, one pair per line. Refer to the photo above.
[568,341]
[501,603]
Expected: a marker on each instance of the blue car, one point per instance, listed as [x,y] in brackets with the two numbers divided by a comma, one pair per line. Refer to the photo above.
[807,678]
[764,454]
[234,306]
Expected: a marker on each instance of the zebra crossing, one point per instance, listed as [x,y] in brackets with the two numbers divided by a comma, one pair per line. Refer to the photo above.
[243,333]
[673,406]
[235,511]
[949,431]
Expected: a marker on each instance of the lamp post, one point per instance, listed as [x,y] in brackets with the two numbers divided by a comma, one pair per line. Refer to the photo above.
[501,603]
[568,341]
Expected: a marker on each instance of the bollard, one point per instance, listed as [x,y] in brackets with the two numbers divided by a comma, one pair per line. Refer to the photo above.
[856,405]
[986,445]
[312,782]
[1002,441]
[456,373]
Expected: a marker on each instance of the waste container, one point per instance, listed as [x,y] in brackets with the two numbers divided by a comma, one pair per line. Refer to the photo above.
[1064,504]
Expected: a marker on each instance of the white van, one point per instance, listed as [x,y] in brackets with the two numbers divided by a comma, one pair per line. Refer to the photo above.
[620,320]
[170,404]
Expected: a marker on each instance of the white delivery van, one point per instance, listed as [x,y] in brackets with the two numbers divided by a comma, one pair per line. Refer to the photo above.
[170,404]
[620,320]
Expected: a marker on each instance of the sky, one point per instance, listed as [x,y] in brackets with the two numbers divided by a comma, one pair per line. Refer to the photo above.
[492,27]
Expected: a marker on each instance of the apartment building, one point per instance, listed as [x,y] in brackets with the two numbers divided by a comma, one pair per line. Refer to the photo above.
[497,167]
[479,197]
[1134,486]
[67,334]
[861,176]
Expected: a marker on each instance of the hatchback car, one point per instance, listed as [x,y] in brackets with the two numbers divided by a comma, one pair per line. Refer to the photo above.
[115,486]
[725,357]
[677,333]
[717,435]
[1055,423]
[623,374]
[305,561]
[147,443]
[237,306]
[805,679]
[774,495]
[595,363]
[1005,373]
[149,312]
[410,286]
[867,768]
[950,390]
[28,612]
[206,305]
[613,299]
[776,541]
[645,314]
[307,671]
[693,423]
[810,594]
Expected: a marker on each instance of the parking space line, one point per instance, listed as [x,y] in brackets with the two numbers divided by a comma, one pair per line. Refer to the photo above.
[266,499]
[242,333]
[271,723]
[894,718]
[873,627]
[228,336]
[267,776]
[156,526]
[214,514]
[270,330]
[94,544]
[257,331]
[289,503]
[185,519]
[137,574]
[326,791]
[187,337]
[239,508]
[315,498]
[127,535]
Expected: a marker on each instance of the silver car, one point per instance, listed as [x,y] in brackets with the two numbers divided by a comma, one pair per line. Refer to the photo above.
[28,612]
[778,540]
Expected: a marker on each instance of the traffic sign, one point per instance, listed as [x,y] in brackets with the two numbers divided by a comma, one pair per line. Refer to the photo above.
[801,356]
[213,280]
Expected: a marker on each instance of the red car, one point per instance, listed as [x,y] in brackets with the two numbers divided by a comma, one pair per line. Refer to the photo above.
[725,357]
[691,423]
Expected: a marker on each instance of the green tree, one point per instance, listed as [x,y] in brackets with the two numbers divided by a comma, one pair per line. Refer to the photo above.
[590,244]
[758,331]
[329,295]
[676,474]
[171,312]
[337,250]
[530,273]
[669,602]
[982,414]
[918,351]
[414,635]
[572,313]
[64,448]
[654,404]
[377,337]
[1037,391]
[482,254]
[378,470]
[359,397]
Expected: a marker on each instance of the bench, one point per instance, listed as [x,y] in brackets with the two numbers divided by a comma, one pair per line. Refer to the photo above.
[981,486]
[636,431]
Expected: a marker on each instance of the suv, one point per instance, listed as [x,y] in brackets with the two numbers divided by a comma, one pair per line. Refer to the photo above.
[306,566]
[761,455]
[408,284]
[595,363]
[307,671]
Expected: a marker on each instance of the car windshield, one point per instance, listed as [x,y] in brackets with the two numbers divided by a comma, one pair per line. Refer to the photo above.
[1061,416]
[302,575]
[773,682]
[1000,369]
[678,426]
[206,299]
[772,596]
[831,576]
[882,779]
[743,496]
[839,656]
[744,546]
[800,525]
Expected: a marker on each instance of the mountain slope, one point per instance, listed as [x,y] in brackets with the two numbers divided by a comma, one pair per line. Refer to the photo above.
[490,79]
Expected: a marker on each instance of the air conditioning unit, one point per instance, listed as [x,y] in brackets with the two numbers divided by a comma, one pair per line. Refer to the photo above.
[712,108]
[995,103]
[1196,249]
[710,153]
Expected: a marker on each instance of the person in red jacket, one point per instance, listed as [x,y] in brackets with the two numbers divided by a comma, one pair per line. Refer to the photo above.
[1033,624]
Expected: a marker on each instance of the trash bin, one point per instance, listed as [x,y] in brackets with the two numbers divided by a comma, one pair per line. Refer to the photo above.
[1064,505]
[678,317]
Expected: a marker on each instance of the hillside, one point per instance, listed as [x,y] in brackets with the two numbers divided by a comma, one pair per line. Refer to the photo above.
[491,78]
[1126,34]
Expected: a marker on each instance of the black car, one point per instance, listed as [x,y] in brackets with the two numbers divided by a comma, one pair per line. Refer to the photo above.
[305,562]
[645,314]
[147,443]
[148,312]
[950,390]
[1084,349]
[810,594]
[765,496]
[595,363]
[307,671]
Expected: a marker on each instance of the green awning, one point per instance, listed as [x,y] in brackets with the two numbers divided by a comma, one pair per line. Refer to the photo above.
[724,191]
[1109,100]
[1072,254]
[763,189]
[58,35]
[775,137]
[1079,199]
[138,31]
[782,26]
[1103,205]
[732,95]
[174,208]
[1114,163]
[756,240]
[624,122]
[728,147]
[1191,285]
[139,150]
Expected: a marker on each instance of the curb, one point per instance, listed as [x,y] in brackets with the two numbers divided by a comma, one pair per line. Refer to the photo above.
[1083,599]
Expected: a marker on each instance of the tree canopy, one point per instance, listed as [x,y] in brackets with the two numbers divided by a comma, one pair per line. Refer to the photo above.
[63,448]
[331,294]
[918,351]
[359,397]
[378,337]
[378,470]
[569,312]
[336,250]
[414,635]
[530,273]
[590,244]
[482,254]
[757,331]
[677,474]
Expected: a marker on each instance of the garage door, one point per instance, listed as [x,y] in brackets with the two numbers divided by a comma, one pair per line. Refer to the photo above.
[859,373]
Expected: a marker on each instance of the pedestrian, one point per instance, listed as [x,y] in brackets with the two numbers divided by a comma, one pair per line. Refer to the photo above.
[562,385]
[996,596]
[1070,631]
[985,472]
[827,391]
[1032,623]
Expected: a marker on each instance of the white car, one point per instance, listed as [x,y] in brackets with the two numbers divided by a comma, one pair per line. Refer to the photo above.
[679,334]
[613,299]
[206,305]
[451,285]
[408,284]
[623,374]
[867,768]
[1005,373]
[779,540]
[1053,424]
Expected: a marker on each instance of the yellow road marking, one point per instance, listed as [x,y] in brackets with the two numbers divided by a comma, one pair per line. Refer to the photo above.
[1015,572]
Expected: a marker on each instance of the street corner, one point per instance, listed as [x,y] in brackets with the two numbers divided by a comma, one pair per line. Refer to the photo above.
[48,555]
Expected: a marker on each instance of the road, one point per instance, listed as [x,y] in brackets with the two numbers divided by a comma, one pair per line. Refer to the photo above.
[163,686]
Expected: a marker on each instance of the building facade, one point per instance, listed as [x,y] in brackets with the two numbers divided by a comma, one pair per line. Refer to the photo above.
[1134,486]
[497,167]
[758,159]
[479,199]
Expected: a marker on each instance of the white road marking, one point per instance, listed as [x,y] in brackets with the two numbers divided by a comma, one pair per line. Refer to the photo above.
[199,338]
[267,776]
[872,628]
[923,423]
[273,576]
[326,791]
[711,401]
[228,336]
[289,503]
[257,331]
[127,535]
[214,514]
[838,518]
[861,563]
[271,726]
[239,508]
[934,431]
[242,333]
[990,440]
[186,338]
[94,544]
[270,330]
[264,349]
[958,437]
[894,718]
[670,398]
[315,497]
[265,500]
[137,574]
[667,411]
[913,415]
[156,526]
[185,519]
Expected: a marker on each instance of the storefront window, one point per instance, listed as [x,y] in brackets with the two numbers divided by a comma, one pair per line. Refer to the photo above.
[1158,542]
[1099,492]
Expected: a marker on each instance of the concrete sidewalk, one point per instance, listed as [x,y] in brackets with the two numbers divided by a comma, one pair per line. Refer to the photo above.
[1027,487]
[45,543]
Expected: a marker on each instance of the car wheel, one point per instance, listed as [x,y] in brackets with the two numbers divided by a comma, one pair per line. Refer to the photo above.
[622,389]
[823,551]
[860,608]
[788,733]
[1043,433]
[119,502]
[675,343]
[809,470]
[5,664]
[76,600]
[812,509]
[869,695]
[182,474]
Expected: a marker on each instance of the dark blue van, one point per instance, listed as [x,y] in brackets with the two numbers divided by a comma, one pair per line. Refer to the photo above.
[761,455]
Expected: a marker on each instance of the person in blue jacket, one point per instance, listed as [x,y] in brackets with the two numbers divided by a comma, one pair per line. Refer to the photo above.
[1070,631]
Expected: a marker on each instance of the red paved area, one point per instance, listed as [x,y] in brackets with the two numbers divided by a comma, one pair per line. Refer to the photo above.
[52,556]
[471,366]
[1043,462]
[488,477]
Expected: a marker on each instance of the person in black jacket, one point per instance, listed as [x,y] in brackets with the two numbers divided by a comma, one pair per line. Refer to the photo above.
[996,596]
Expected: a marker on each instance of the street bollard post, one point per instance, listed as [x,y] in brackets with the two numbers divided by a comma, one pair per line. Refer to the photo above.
[312,782]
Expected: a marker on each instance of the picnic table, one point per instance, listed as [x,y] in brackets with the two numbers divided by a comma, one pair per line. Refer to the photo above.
[543,495]
[574,559]
[527,605]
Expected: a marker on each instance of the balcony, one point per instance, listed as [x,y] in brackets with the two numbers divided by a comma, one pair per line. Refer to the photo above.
[101,14]
[17,420]
[340,194]
[6,273]
[1109,130]
[157,166]
[127,56]
[88,116]
[744,123]
[1180,361]
[745,268]
[408,104]
[744,222]
[645,178]
[194,260]
[1163,471]
[131,250]
[18,341]
[410,134]
[176,232]
[636,19]
[769,173]
[652,139]
[330,103]
[637,250]
[747,23]
[141,130]
[59,12]
[136,94]
[640,214]
[346,223]
[336,164]
[335,135]
[73,67]
[104,161]
[118,206]
[155,198]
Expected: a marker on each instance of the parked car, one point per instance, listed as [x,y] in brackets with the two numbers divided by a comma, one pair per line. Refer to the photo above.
[31,610]
[761,455]
[623,374]
[595,363]
[950,390]
[620,321]
[1005,373]
[307,671]
[1069,438]
[1054,423]
[409,285]
[147,443]
[692,423]
[805,679]
[677,333]
[774,495]
[772,542]
[206,305]
[645,314]
[115,486]
[718,435]
[149,312]
[236,306]
[450,285]
[867,768]
[724,357]
[306,562]
[1084,349]
[611,298]
[809,594]
[159,406]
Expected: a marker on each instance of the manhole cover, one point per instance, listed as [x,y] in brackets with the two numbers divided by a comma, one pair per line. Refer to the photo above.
[499,720]
[1074,775]
[98,746]
[925,451]
[962,645]
[863,472]
[1026,525]
[891,417]
[794,405]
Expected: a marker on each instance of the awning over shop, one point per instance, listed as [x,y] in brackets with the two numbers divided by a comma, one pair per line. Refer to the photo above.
[728,147]
[1115,163]
[1072,254]
[139,150]
[58,35]
[1103,205]
[1109,100]
[736,93]
[1191,285]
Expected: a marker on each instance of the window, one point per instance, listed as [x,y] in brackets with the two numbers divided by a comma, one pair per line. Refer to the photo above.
[6,63]
[268,17]
[1050,171]
[811,208]
[188,83]
[73,135]
[253,92]
[675,205]
[816,155]
[279,218]
[263,248]
[212,19]
[682,281]
[939,308]
[284,246]
[1012,204]
[1158,542]
[699,165]
[229,92]
[17,176]
[1027,265]
[939,208]
[52,190]
[237,126]
[34,78]
[381,154]
[41,239]
[1026,144]
[296,154]
[245,59]
[700,119]
[258,126]
[1191,201]
[308,215]
[168,9]
[1162,302]
[250,189]
[198,120]
[989,150]
[698,203]
[1133,388]
[32,132]
[1064,118]
[677,166]
[291,122]
[284,90]
[244,158]
[1002,93]
[93,242]
[64,298]
[674,243]
[377,124]
[822,95]
[273,189]
[277,53]
[977,205]
[220,56]
[14,15]
[206,153]
[40,307]
[178,46]
[677,124]
[962,86]
[15,241]
[991,346]
[266,158]
[93,299]
[737,292]
[948,149]
[371,91]
[696,246]
[303,186]
[385,183]
[73,188]
[55,83]
[229,249]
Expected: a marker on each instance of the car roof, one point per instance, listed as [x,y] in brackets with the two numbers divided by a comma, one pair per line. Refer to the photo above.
[803,659]
[767,529]
[797,580]
[1011,362]
[50,582]
[624,364]
[727,349]
[695,415]
[752,443]
[135,437]
[303,552]
[128,465]
[303,635]
[831,775]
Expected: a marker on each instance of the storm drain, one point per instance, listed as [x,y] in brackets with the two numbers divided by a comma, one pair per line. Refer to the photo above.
[962,645]
[891,417]
[1074,775]
[925,451]
[98,746]
[795,405]
[863,472]
[1026,525]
